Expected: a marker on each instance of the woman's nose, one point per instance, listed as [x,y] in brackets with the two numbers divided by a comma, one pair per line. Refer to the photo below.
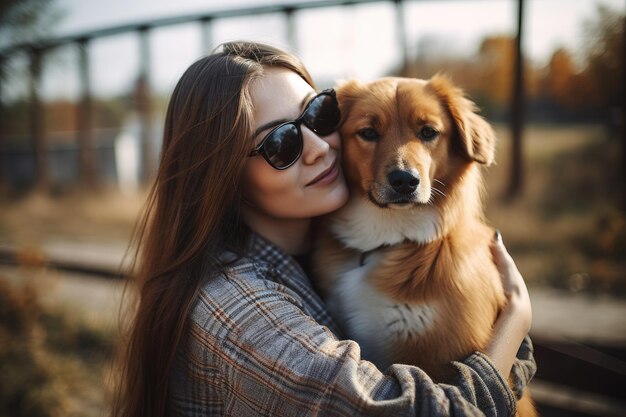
[315,147]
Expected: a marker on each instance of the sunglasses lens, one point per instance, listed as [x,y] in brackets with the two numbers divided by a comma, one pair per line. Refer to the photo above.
[283,146]
[322,115]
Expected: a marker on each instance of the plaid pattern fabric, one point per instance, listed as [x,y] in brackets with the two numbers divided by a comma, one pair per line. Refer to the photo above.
[261,343]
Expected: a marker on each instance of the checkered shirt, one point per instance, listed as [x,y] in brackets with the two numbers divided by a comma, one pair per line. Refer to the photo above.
[260,342]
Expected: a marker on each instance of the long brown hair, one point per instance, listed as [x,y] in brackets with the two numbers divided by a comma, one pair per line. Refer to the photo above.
[192,212]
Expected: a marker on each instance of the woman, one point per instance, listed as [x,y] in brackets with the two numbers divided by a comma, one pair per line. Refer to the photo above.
[227,322]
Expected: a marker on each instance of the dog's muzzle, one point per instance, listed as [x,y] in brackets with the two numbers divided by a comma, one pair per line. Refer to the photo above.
[401,189]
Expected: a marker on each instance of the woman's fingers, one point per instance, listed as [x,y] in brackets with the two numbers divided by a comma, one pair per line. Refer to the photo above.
[501,256]
[511,277]
[512,280]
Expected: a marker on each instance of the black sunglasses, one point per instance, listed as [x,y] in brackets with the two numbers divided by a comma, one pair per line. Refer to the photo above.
[282,146]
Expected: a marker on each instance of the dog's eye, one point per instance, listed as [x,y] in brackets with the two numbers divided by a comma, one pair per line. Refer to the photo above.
[428,133]
[369,134]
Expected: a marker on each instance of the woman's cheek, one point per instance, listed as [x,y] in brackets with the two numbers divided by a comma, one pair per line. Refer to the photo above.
[275,192]
[334,140]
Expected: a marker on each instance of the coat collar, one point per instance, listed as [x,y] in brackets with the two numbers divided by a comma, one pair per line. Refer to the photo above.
[283,269]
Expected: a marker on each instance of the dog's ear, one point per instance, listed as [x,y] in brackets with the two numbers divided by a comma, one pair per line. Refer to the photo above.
[348,89]
[476,138]
[347,93]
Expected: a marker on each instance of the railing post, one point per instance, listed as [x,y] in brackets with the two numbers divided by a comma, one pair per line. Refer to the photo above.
[42,166]
[3,132]
[207,35]
[623,125]
[292,29]
[144,105]
[86,150]
[401,35]
[516,180]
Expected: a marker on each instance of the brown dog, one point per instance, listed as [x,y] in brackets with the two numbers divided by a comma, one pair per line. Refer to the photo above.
[406,266]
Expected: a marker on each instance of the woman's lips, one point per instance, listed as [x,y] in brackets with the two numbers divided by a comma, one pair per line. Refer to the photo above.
[328,176]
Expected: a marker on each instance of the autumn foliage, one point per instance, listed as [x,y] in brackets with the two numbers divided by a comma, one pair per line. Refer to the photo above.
[585,86]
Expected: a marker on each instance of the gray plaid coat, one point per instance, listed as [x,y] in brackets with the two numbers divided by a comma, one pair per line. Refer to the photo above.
[260,342]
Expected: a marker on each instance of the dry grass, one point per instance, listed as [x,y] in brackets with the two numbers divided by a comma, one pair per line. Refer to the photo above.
[74,317]
[103,216]
[57,342]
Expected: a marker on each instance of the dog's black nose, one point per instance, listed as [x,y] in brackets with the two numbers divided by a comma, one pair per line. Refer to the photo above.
[403,182]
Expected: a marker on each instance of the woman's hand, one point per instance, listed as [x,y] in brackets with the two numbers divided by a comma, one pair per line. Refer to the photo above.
[515,319]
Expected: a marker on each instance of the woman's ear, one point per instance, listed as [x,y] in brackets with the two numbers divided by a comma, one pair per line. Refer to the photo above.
[475,137]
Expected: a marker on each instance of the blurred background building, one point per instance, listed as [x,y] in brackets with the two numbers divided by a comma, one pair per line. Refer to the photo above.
[83,91]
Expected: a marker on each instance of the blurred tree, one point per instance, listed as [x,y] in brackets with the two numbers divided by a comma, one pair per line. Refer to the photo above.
[569,90]
[496,64]
[605,61]
[21,21]
[25,20]
[502,69]
[559,77]
[494,69]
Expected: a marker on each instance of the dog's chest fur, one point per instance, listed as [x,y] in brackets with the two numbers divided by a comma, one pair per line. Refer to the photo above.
[365,227]
[424,302]
[372,318]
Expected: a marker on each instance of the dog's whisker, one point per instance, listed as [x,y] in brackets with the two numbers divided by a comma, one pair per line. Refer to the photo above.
[440,182]
[438,191]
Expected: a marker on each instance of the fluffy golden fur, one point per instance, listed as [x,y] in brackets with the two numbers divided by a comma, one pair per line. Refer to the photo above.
[405,266]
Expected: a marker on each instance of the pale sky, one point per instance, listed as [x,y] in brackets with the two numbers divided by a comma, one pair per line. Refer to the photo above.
[334,43]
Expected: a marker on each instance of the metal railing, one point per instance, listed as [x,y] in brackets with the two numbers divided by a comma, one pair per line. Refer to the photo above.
[87,161]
